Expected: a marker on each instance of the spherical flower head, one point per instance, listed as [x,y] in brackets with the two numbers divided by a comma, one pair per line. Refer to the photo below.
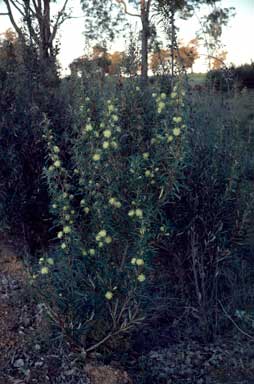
[105,145]
[109,295]
[140,262]
[177,119]
[133,261]
[147,173]
[86,210]
[114,144]
[173,95]
[176,131]
[108,240]
[50,261]
[92,252]
[41,259]
[115,118]
[111,108]
[145,155]
[44,270]
[163,96]
[118,204]
[161,106]
[137,88]
[96,157]
[54,206]
[72,212]
[51,168]
[88,128]
[170,138]
[84,253]
[154,94]
[65,208]
[56,149]
[107,133]
[63,246]
[67,229]
[82,202]
[131,213]
[139,212]
[112,201]
[57,163]
[102,233]
[141,277]
[100,244]
[60,234]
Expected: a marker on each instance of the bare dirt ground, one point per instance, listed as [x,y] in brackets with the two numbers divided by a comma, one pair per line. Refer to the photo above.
[28,357]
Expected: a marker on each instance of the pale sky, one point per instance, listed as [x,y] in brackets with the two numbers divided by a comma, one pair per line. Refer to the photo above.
[237,36]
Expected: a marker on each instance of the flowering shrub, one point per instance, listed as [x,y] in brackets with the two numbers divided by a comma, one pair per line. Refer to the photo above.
[108,190]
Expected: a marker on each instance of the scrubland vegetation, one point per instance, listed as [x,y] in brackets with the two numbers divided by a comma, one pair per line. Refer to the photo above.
[129,201]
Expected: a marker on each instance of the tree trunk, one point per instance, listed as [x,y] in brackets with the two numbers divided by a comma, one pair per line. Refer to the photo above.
[144,40]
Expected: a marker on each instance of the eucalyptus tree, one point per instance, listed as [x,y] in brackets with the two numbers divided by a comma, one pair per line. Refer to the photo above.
[107,17]
[37,22]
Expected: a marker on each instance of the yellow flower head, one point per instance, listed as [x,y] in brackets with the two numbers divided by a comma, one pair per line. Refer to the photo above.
[140,262]
[60,234]
[112,200]
[54,206]
[133,261]
[147,173]
[118,204]
[170,138]
[67,229]
[57,163]
[108,240]
[88,128]
[177,119]
[131,213]
[161,106]
[139,212]
[141,277]
[176,131]
[114,144]
[92,252]
[110,108]
[63,246]
[145,155]
[114,118]
[109,295]
[84,253]
[163,96]
[56,149]
[96,157]
[107,133]
[86,210]
[44,270]
[173,95]
[50,261]
[100,244]
[105,145]
[102,233]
